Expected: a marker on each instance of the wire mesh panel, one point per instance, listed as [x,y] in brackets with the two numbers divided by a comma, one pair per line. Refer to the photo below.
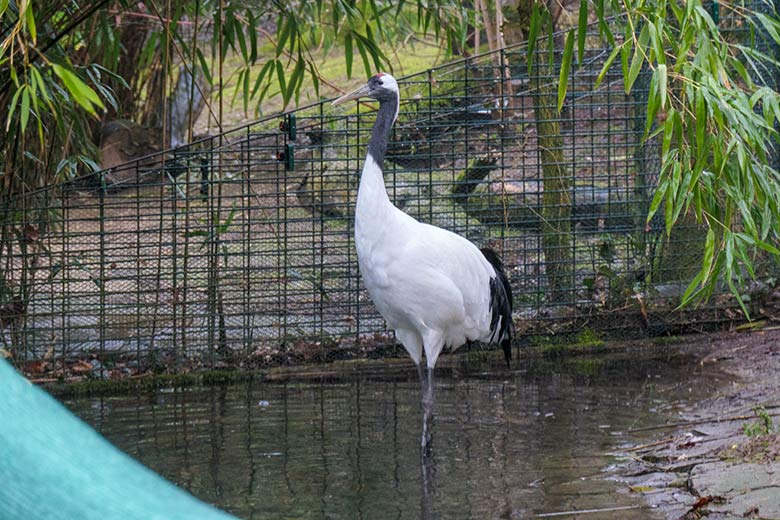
[237,249]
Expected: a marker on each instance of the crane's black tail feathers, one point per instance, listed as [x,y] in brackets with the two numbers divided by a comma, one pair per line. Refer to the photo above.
[500,304]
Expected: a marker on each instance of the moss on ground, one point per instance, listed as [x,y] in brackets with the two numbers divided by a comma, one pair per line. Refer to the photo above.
[151,381]
[582,341]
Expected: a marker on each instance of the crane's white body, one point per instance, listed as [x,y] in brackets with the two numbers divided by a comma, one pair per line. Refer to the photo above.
[430,285]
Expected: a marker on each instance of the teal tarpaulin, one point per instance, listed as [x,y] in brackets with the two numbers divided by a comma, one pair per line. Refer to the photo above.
[53,465]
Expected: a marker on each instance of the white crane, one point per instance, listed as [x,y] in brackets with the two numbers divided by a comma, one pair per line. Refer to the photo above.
[434,288]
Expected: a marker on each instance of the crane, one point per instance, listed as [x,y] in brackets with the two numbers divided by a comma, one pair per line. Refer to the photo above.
[434,288]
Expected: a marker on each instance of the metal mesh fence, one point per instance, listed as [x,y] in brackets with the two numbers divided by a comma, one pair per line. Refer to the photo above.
[238,248]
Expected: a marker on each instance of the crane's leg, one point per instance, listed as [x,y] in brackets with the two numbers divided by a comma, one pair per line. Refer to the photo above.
[427,485]
[426,376]
[433,342]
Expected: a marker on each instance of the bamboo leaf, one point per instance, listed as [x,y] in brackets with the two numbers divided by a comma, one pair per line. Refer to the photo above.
[315,79]
[625,52]
[372,50]
[662,79]
[348,53]
[252,34]
[709,251]
[38,79]
[582,30]
[29,20]
[706,17]
[653,102]
[246,89]
[12,109]
[769,248]
[669,212]
[656,40]
[228,40]
[693,289]
[606,66]
[677,11]
[668,131]
[81,92]
[427,23]
[239,84]
[261,76]
[701,121]
[295,78]
[204,67]
[533,34]
[377,18]
[770,25]
[280,78]
[363,55]
[658,197]
[563,80]
[24,115]
[738,297]
[242,43]
[637,61]
[729,251]
[747,217]
[282,41]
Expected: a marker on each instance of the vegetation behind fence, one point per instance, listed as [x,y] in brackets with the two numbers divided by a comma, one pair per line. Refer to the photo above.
[238,248]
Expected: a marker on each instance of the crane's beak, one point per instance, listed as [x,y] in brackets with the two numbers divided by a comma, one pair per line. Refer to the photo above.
[355,94]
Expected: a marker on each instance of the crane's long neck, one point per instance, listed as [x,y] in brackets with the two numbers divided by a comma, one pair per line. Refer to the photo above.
[372,184]
[380,136]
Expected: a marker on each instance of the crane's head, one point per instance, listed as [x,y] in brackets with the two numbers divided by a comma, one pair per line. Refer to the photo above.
[381,87]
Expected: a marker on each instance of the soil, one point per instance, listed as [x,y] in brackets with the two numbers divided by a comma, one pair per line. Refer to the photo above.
[721,458]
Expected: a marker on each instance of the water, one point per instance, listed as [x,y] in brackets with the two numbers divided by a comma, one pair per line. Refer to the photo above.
[345,443]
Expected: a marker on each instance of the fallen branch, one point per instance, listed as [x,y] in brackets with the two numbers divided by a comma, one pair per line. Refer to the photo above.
[587,511]
[651,445]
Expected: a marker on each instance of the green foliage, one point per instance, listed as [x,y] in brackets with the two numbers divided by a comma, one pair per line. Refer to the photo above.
[763,426]
[212,231]
[563,80]
[64,66]
[363,29]
[711,105]
[43,91]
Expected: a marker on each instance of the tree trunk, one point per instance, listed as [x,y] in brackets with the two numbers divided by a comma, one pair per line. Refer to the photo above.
[556,203]
[556,213]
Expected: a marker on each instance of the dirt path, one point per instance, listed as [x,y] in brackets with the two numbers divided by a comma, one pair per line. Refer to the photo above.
[721,459]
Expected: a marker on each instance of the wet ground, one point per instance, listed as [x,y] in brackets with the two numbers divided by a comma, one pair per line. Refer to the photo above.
[547,439]
[720,458]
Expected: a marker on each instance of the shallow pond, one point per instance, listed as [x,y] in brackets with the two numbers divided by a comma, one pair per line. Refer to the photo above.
[344,443]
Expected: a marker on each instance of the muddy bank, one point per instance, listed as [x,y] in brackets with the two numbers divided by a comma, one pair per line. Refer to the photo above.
[721,457]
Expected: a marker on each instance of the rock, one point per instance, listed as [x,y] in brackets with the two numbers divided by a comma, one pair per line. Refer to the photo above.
[742,486]
[122,141]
